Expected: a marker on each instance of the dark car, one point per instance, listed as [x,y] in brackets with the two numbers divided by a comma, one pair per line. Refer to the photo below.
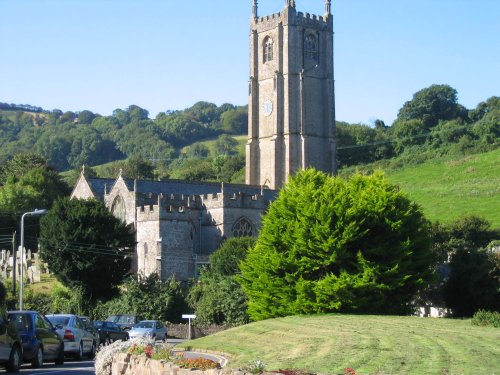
[109,332]
[125,321]
[40,341]
[11,347]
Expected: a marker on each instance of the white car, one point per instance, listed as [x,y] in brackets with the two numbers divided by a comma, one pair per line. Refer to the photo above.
[77,340]
[149,328]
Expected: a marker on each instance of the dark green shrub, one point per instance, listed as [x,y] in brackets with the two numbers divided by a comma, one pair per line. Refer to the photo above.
[486,318]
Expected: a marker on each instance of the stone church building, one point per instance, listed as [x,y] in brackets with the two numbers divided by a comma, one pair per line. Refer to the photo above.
[291,127]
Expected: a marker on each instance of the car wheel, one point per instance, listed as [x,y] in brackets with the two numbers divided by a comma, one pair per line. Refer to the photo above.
[60,355]
[37,360]
[91,354]
[14,360]
[79,354]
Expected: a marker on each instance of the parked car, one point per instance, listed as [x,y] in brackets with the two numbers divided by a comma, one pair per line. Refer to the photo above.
[125,321]
[11,346]
[39,338]
[109,332]
[77,340]
[149,328]
[89,326]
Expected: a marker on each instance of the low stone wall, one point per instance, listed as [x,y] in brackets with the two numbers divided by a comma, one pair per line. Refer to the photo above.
[128,364]
[181,331]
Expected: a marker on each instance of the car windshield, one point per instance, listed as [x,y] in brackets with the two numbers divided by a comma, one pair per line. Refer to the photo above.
[144,325]
[113,318]
[121,319]
[22,322]
[59,320]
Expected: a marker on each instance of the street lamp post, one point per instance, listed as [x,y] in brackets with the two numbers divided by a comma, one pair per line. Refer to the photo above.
[21,278]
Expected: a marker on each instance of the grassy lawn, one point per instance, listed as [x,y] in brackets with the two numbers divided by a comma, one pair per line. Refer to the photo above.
[449,189]
[328,344]
[45,285]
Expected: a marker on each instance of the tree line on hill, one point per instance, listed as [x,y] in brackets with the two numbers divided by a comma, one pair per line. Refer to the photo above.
[71,139]
[431,124]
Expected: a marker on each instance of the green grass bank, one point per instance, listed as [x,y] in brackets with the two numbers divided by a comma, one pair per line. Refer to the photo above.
[450,188]
[328,344]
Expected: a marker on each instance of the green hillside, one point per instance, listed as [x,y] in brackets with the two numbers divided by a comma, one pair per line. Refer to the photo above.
[447,189]
[210,144]
[328,344]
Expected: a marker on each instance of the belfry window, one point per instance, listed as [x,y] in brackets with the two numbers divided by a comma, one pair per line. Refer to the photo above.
[311,47]
[243,228]
[268,49]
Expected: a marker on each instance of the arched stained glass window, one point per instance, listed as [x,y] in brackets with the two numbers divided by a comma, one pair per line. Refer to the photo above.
[268,49]
[311,47]
[118,208]
[243,228]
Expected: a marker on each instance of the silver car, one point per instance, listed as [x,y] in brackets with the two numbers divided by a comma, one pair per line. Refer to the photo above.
[149,328]
[77,340]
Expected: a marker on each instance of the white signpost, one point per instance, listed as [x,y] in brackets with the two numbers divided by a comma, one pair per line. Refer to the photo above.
[189,317]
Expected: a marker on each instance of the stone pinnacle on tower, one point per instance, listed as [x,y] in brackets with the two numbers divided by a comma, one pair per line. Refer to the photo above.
[254,9]
[328,7]
[290,3]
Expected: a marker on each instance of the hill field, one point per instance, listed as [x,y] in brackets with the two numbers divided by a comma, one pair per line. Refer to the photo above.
[447,189]
[329,344]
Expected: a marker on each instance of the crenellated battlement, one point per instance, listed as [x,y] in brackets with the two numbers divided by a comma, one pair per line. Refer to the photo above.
[235,200]
[310,20]
[165,206]
[160,212]
[175,200]
[290,16]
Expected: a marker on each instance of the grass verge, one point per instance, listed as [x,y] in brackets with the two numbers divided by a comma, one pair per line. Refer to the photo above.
[329,344]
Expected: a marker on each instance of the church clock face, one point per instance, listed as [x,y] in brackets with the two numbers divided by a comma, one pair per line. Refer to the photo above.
[267,107]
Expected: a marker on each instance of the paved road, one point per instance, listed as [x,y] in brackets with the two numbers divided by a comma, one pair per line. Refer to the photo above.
[70,367]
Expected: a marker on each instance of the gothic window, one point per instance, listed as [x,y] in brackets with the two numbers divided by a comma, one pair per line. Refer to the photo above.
[243,228]
[268,49]
[311,47]
[118,208]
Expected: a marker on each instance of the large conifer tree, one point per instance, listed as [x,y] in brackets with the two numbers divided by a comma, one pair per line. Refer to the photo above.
[331,245]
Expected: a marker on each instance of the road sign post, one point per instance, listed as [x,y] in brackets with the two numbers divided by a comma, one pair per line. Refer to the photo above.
[189,317]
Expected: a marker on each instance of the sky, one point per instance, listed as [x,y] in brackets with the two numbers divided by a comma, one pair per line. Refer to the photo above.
[100,55]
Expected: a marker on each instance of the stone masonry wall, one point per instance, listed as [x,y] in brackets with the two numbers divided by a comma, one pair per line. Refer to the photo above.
[126,364]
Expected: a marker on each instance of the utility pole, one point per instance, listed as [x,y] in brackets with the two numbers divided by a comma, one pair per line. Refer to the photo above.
[14,263]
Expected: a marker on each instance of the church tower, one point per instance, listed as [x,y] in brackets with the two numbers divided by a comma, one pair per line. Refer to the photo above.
[291,109]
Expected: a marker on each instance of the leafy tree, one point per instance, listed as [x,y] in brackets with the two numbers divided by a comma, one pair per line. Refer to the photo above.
[20,164]
[153,298]
[217,297]
[408,133]
[218,300]
[198,150]
[86,117]
[226,260]
[471,279]
[193,170]
[225,145]
[432,104]
[137,167]
[37,188]
[86,246]
[331,245]
[235,121]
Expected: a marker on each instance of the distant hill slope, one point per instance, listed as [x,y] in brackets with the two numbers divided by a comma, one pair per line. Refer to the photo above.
[447,189]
